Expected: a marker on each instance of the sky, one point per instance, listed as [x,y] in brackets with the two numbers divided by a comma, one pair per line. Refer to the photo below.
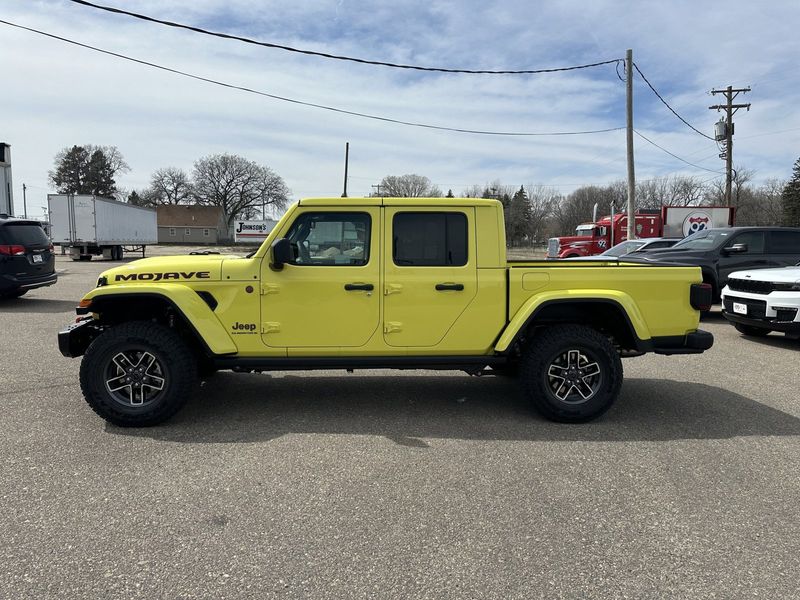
[56,95]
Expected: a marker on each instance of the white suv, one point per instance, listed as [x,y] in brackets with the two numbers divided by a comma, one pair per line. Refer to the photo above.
[763,300]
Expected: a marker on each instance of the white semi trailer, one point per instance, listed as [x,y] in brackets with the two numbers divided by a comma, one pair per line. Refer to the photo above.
[94,226]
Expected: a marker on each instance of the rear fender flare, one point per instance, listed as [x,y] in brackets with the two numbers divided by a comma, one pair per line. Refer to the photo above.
[529,310]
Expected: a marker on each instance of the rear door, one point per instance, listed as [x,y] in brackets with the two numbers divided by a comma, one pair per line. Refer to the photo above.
[430,272]
[61,228]
[84,219]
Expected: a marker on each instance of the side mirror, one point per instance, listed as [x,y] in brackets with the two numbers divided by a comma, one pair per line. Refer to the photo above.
[736,249]
[281,253]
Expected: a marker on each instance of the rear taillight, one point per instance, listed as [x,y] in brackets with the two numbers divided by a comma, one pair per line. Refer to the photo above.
[701,296]
[13,250]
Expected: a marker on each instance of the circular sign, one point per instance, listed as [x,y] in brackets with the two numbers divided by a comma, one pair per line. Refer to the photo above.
[696,221]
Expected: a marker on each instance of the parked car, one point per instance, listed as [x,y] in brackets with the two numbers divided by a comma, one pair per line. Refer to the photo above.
[26,257]
[722,251]
[763,300]
[629,247]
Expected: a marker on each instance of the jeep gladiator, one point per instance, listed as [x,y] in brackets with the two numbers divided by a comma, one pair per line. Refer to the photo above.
[366,283]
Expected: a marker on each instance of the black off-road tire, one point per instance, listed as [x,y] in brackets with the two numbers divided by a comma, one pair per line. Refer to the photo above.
[750,330]
[138,340]
[591,367]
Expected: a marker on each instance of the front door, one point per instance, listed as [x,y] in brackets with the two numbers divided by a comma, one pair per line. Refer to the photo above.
[430,273]
[753,258]
[329,295]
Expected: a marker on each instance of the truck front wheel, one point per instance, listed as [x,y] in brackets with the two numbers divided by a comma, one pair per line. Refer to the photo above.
[137,374]
[571,373]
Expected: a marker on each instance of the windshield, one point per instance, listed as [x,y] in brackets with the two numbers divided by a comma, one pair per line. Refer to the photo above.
[584,230]
[704,240]
[623,248]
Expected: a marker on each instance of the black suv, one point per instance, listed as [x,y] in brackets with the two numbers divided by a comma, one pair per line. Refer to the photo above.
[26,257]
[721,251]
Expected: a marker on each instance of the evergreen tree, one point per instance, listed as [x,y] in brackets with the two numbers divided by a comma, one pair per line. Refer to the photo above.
[518,226]
[87,169]
[791,198]
[70,172]
[100,176]
[449,194]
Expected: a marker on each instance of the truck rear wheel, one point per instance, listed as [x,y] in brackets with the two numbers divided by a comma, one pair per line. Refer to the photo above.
[137,374]
[571,373]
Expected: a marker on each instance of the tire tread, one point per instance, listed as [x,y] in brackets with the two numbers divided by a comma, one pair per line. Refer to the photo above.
[181,362]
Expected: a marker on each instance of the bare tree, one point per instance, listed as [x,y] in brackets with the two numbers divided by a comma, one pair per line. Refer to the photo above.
[543,201]
[677,190]
[408,186]
[170,186]
[578,207]
[769,202]
[237,185]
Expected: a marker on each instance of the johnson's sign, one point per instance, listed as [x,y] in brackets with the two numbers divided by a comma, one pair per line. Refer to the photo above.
[253,232]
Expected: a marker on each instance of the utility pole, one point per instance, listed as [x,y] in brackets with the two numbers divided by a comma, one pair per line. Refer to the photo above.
[25,200]
[727,135]
[629,114]
[346,161]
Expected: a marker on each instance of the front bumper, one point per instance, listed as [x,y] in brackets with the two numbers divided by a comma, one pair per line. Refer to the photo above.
[784,326]
[776,311]
[74,339]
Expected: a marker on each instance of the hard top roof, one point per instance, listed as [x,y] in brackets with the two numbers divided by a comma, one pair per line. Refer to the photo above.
[422,202]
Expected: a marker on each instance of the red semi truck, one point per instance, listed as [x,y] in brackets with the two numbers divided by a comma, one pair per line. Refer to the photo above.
[670,221]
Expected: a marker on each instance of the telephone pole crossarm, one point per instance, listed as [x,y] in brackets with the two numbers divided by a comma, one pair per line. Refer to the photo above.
[726,137]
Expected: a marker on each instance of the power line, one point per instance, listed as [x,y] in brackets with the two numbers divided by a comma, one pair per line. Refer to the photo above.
[692,127]
[673,155]
[336,56]
[310,104]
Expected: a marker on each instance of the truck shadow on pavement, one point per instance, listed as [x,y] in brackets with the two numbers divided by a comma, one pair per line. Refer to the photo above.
[410,409]
[37,305]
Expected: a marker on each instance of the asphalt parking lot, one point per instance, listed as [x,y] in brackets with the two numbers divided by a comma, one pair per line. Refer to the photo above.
[399,484]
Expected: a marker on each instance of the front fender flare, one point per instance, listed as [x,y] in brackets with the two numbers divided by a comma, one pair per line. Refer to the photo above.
[183,299]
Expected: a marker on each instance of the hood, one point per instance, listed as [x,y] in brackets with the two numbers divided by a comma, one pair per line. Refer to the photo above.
[782,275]
[673,255]
[169,269]
[572,239]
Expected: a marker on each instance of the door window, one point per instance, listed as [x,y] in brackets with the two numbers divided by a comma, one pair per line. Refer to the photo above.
[330,238]
[784,242]
[429,239]
[753,239]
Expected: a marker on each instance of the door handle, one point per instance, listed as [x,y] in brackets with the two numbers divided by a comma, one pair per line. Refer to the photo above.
[366,287]
[456,287]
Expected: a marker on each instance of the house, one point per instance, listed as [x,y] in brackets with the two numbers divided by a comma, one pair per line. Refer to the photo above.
[191,224]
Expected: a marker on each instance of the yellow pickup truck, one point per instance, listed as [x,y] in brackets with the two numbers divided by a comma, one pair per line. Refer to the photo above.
[406,283]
